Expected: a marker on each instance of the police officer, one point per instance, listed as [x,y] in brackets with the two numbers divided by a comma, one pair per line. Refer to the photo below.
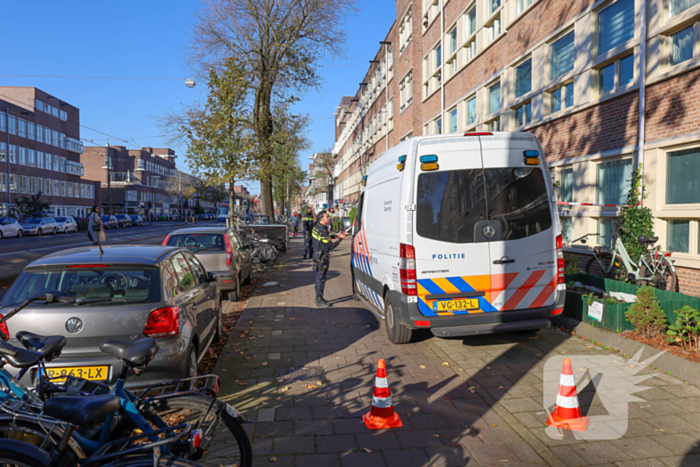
[322,247]
[308,222]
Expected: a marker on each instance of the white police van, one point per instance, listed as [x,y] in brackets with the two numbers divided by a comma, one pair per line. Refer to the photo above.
[459,235]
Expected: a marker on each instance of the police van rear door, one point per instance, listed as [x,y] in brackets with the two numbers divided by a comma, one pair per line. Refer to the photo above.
[452,255]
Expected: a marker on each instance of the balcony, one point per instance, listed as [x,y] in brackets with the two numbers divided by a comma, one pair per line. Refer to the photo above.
[72,144]
[73,168]
[123,177]
[140,164]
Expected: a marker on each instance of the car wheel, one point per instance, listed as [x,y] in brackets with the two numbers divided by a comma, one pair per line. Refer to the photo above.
[219,333]
[38,232]
[20,233]
[1,236]
[248,278]
[192,363]
[54,232]
[396,332]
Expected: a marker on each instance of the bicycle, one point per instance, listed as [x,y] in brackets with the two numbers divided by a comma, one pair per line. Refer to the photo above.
[192,399]
[653,267]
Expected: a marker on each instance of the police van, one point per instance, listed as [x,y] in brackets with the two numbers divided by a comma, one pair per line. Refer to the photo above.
[459,234]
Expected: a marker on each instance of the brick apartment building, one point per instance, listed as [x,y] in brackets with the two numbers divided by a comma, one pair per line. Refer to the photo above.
[568,71]
[44,152]
[134,181]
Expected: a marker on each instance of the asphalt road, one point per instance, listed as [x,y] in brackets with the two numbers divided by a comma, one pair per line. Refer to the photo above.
[17,253]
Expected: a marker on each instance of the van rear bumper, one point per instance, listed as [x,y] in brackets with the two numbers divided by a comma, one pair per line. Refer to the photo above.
[478,323]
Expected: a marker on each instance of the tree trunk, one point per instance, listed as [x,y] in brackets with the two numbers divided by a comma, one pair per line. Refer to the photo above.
[264,129]
[232,204]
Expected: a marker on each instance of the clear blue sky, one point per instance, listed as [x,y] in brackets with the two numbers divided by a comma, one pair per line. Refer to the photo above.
[147,39]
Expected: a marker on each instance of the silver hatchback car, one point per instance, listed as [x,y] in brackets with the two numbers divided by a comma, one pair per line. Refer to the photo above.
[129,293]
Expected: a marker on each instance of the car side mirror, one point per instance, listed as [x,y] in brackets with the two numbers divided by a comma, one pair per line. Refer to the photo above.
[211,277]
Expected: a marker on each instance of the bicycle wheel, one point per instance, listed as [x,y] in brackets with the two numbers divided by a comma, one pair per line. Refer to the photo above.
[616,271]
[663,277]
[225,442]
[147,461]
[18,454]
[35,434]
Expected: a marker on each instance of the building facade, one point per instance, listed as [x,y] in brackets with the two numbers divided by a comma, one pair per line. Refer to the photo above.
[40,150]
[134,181]
[574,73]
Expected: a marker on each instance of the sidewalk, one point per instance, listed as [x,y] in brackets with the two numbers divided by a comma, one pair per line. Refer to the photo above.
[471,401]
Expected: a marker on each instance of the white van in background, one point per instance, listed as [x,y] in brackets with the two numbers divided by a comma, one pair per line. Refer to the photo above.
[459,235]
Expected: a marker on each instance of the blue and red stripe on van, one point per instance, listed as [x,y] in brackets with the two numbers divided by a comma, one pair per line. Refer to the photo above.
[360,260]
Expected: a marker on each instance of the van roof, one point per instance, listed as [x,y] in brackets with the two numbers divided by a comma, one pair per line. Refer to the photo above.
[494,135]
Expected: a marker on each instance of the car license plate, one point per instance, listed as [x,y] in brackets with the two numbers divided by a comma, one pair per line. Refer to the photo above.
[92,373]
[455,305]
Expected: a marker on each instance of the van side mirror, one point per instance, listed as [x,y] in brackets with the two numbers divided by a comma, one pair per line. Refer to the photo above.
[211,277]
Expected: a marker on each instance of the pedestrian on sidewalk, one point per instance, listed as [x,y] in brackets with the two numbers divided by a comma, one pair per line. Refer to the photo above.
[322,247]
[295,224]
[308,222]
[96,228]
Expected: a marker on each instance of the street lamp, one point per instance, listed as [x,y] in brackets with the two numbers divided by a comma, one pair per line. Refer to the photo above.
[190,83]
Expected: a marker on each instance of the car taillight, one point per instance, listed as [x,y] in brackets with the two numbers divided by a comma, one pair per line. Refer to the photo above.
[408,270]
[229,250]
[165,242]
[557,311]
[163,322]
[560,260]
[422,323]
[4,332]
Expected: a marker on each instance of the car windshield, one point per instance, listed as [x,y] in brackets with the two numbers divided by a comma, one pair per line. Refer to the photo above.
[104,218]
[106,286]
[32,220]
[453,205]
[60,219]
[197,242]
[121,216]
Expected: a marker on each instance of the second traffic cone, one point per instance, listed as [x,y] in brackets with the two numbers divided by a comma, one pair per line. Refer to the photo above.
[382,414]
[567,413]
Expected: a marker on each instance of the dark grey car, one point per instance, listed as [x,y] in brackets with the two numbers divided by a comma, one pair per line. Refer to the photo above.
[222,251]
[128,293]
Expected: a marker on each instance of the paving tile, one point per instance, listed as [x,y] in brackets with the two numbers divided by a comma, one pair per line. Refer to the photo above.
[378,440]
[419,439]
[349,426]
[406,458]
[362,459]
[336,443]
[293,445]
[313,427]
[320,460]
[500,454]
[293,413]
[454,456]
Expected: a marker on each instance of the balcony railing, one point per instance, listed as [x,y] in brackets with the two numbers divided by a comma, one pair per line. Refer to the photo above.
[72,144]
[123,177]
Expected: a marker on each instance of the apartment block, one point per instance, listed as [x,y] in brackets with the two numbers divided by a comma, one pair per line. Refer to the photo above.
[573,72]
[40,150]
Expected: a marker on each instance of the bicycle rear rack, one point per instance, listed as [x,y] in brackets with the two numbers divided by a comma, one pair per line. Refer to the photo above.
[22,411]
[207,385]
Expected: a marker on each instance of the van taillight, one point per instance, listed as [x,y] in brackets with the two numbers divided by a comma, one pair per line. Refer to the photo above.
[408,270]
[229,251]
[165,242]
[163,322]
[560,260]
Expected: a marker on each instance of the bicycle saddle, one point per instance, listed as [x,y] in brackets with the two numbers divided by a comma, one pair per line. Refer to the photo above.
[48,346]
[642,239]
[133,354]
[19,358]
[81,411]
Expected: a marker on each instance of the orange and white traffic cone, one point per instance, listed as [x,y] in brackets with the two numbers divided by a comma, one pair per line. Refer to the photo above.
[567,413]
[382,414]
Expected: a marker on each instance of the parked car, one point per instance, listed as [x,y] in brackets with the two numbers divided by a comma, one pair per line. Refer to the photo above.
[9,227]
[82,222]
[222,251]
[127,293]
[66,224]
[39,226]
[110,222]
[136,220]
[123,220]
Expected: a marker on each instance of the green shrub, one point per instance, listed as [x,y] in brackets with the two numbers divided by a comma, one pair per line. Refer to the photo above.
[635,220]
[646,315]
[686,330]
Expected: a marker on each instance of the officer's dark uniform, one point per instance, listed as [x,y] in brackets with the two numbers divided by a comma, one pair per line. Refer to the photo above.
[322,246]
[308,223]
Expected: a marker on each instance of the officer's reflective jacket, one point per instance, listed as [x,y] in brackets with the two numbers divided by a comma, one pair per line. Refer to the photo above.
[322,243]
[308,222]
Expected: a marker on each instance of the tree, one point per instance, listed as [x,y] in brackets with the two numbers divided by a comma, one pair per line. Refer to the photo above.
[635,220]
[325,164]
[278,44]
[26,206]
[218,136]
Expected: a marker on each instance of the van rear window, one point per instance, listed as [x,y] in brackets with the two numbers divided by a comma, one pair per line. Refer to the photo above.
[453,205]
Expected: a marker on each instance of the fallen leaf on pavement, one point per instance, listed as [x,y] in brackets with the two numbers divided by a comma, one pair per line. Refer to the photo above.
[589,346]
[660,429]
[533,338]
[285,389]
[422,367]
[273,459]
[241,383]
[264,363]
[445,363]
[538,355]
[366,450]
[436,435]
[472,389]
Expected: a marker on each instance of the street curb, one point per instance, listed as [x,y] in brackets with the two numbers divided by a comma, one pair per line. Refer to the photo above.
[667,363]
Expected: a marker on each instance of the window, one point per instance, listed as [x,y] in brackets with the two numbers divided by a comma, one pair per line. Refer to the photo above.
[679,6]
[3,123]
[48,187]
[450,206]
[566,229]
[562,56]
[40,133]
[22,184]
[406,90]
[406,30]
[22,127]
[615,25]
[63,188]
[605,231]
[471,111]
[32,185]
[678,232]
[438,56]
[523,114]
[31,130]
[562,97]
[567,185]
[682,181]
[523,78]
[493,6]
[626,73]
[453,120]
[408,136]
[618,74]
[438,126]
[31,159]
[495,98]
[452,42]
[606,78]
[494,29]
[13,125]
[3,182]
[13,182]
[470,50]
[682,46]
[470,22]
[521,5]
[494,125]
[613,181]
[3,148]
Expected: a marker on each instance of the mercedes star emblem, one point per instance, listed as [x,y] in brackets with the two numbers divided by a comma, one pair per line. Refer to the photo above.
[74,325]
[489,231]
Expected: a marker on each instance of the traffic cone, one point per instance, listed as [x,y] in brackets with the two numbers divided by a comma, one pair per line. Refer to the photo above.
[382,414]
[567,413]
